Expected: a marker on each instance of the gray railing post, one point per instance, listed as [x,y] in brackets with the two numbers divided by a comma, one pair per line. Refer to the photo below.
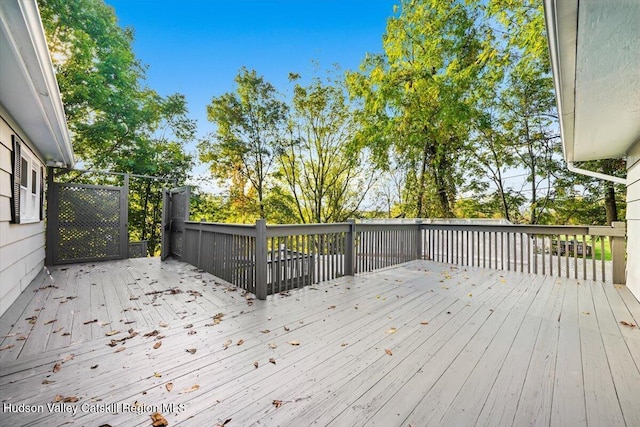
[419,239]
[349,251]
[261,259]
[618,254]
[200,241]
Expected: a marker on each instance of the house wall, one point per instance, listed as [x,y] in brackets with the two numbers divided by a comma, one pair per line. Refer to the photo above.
[633,220]
[21,245]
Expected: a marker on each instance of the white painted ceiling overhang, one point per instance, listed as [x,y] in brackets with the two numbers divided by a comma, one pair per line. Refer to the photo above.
[595,55]
[28,88]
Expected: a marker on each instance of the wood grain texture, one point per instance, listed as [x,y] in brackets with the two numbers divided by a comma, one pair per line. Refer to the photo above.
[467,346]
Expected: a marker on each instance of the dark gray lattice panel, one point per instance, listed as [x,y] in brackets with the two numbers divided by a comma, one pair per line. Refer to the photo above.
[89,223]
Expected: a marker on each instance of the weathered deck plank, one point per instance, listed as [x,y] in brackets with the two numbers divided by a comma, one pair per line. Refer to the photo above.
[469,346]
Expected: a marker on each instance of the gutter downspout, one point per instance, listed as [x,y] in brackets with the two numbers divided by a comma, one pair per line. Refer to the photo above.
[598,175]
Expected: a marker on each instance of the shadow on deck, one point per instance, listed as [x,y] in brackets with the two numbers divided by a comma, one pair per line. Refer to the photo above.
[420,344]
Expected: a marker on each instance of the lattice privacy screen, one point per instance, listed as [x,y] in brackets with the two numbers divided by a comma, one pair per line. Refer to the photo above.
[89,223]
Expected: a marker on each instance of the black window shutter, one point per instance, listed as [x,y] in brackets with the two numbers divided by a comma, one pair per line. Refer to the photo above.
[41,193]
[16,165]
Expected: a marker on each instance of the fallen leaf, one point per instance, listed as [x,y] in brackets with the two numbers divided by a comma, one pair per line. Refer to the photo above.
[111,333]
[224,423]
[120,349]
[631,325]
[90,321]
[344,344]
[190,325]
[294,343]
[331,307]
[6,347]
[70,399]
[470,295]
[389,352]
[163,324]
[192,332]
[286,329]
[158,420]
[157,374]
[21,338]
[256,364]
[51,321]
[240,342]
[266,331]
[424,322]
[191,350]
[94,366]
[58,398]
[277,403]
[66,334]
[69,357]
[45,382]
[57,367]
[585,312]
[392,331]
[58,330]
[157,345]
[168,386]
[272,360]
[272,346]
[190,389]
[227,344]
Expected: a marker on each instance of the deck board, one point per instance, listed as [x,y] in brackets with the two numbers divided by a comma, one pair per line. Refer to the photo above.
[470,346]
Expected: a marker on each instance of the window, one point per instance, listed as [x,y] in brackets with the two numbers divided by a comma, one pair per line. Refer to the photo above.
[27,196]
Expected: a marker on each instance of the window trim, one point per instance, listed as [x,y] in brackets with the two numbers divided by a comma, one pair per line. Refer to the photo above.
[27,199]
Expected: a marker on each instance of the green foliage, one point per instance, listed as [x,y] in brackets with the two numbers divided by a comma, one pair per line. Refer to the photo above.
[116,123]
[248,137]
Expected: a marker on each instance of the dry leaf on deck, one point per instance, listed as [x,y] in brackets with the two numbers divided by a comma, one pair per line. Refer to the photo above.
[392,331]
[57,367]
[424,322]
[224,423]
[286,329]
[6,347]
[227,344]
[58,398]
[266,331]
[158,420]
[344,344]
[190,325]
[272,360]
[163,324]
[58,330]
[21,338]
[51,321]
[157,374]
[157,345]
[294,342]
[277,403]
[69,357]
[256,364]
[45,382]
[631,325]
[90,321]
[110,333]
[168,386]
[331,307]
[240,342]
[191,350]
[70,399]
[190,389]
[120,349]
[272,346]
[389,352]
[191,332]
[94,366]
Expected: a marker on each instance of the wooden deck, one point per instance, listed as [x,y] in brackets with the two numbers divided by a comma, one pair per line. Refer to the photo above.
[422,344]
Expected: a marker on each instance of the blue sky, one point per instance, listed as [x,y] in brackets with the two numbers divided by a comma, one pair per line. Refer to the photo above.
[196,47]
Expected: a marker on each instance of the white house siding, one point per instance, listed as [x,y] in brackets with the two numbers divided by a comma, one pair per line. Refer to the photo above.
[21,245]
[633,220]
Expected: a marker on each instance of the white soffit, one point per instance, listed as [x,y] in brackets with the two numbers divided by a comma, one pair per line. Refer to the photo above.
[28,87]
[596,66]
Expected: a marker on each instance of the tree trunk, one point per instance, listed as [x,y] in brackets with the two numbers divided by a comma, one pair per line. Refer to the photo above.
[610,203]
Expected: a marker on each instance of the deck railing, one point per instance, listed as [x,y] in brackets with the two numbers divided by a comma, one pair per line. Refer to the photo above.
[271,259]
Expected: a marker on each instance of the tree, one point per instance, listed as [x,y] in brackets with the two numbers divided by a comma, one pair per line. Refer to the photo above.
[249,134]
[323,169]
[416,96]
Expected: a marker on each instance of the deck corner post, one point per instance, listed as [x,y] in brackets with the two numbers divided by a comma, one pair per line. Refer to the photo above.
[261,259]
[418,239]
[618,254]
[349,251]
